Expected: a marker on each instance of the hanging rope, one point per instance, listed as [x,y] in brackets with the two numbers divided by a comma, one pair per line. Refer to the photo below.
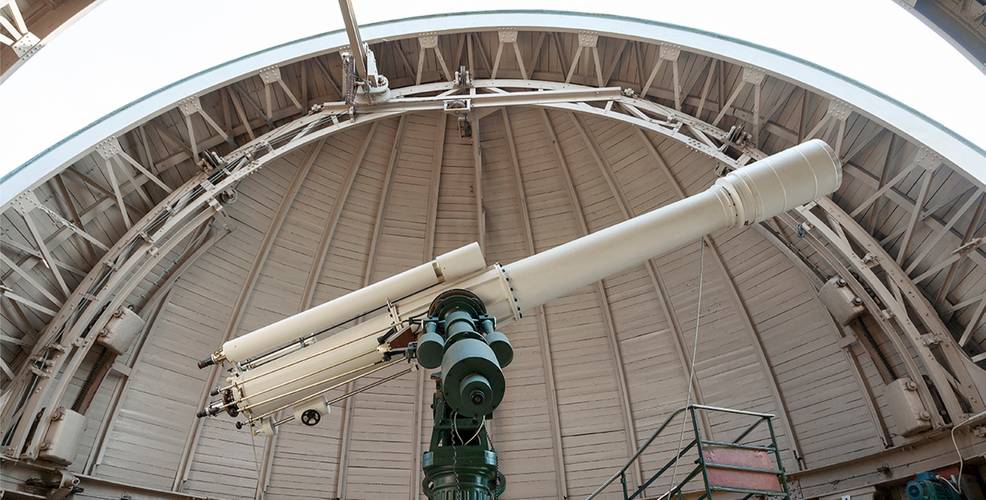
[256,461]
[691,367]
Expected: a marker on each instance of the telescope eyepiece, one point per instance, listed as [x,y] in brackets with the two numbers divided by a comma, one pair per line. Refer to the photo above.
[206,362]
[477,397]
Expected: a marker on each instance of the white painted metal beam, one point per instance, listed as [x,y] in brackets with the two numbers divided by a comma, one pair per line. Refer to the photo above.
[477,159]
[9,294]
[915,212]
[356,48]
[925,314]
[430,42]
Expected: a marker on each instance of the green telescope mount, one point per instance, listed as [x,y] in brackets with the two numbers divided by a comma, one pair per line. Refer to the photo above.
[461,338]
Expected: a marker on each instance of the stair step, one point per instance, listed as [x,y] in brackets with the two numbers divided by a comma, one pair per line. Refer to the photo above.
[768,493]
[727,444]
[744,468]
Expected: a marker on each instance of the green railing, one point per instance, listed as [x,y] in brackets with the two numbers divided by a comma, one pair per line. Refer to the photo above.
[701,464]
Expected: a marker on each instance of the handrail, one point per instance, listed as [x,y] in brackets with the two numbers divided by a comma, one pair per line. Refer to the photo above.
[731,410]
[750,429]
[637,454]
[664,469]
[620,473]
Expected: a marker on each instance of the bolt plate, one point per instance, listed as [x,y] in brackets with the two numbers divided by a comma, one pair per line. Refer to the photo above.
[270,74]
[507,36]
[588,39]
[25,202]
[839,109]
[26,46]
[109,148]
[753,75]
[190,105]
[428,41]
[927,159]
[669,52]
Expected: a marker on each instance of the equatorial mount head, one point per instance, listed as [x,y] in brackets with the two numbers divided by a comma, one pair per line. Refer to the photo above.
[459,337]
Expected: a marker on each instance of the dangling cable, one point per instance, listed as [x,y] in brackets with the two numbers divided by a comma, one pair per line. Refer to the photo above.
[256,461]
[958,451]
[455,458]
[479,429]
[691,367]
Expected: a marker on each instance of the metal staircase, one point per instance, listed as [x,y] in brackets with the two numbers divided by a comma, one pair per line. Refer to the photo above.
[737,467]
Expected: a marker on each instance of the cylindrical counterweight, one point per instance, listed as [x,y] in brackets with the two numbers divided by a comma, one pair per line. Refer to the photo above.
[745,196]
[446,267]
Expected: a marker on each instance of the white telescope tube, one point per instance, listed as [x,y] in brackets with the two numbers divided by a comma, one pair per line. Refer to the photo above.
[745,196]
[446,267]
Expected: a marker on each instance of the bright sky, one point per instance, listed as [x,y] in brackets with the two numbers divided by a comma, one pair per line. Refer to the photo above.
[124,49]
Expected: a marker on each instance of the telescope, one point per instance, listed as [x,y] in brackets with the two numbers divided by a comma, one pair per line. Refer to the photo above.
[445,314]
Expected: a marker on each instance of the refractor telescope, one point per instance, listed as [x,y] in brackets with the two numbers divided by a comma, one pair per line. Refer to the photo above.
[445,315]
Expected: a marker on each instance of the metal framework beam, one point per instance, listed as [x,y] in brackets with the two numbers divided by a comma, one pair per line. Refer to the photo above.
[915,212]
[25,208]
[965,240]
[355,40]
[930,243]
[931,453]
[930,221]
[27,250]
[897,309]
[507,37]
[30,279]
[477,159]
[24,43]
[430,42]
[7,293]
[96,298]
[61,235]
[17,474]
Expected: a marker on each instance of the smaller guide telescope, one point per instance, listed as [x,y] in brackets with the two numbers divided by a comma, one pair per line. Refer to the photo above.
[445,314]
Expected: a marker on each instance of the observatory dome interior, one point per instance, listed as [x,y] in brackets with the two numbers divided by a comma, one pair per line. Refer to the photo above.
[190,238]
